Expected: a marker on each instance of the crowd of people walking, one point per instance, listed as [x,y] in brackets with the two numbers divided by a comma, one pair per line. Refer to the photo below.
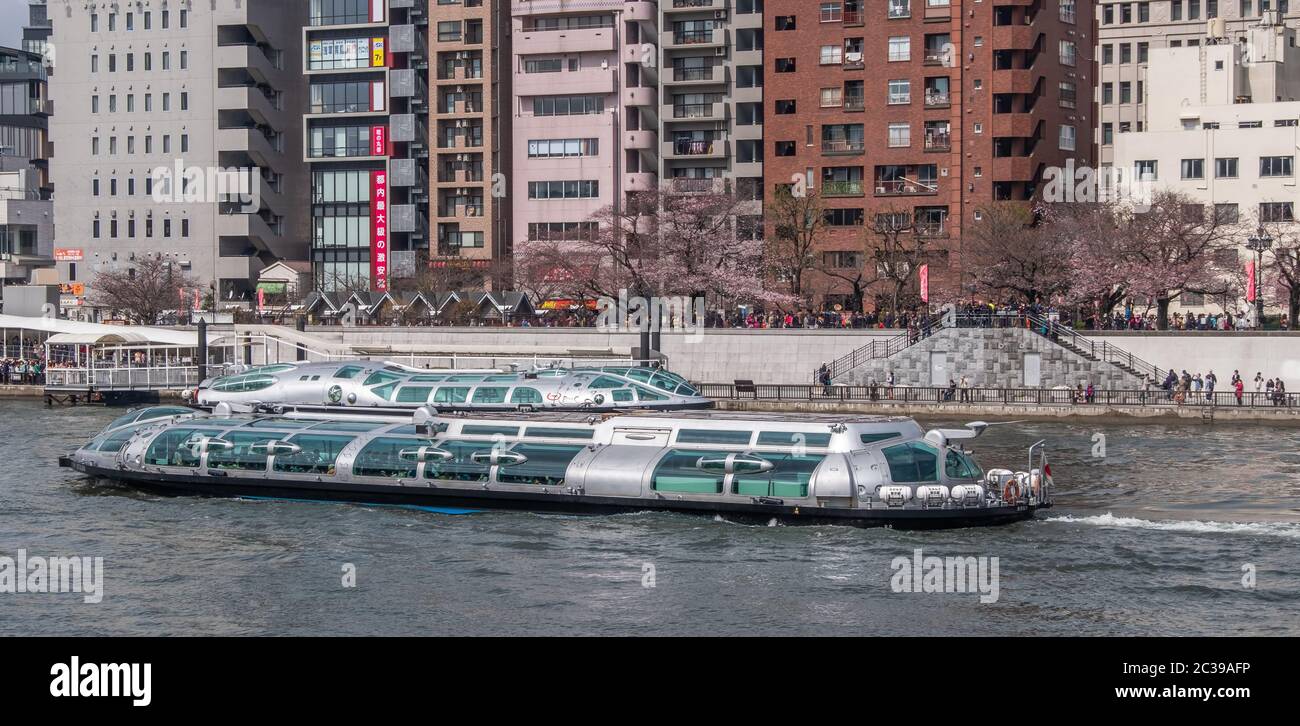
[22,371]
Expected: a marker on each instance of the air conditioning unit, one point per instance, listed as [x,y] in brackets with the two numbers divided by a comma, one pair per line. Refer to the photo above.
[719,14]
[880,190]
[720,50]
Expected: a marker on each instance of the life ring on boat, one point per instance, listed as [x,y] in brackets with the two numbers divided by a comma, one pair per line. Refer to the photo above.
[1011,491]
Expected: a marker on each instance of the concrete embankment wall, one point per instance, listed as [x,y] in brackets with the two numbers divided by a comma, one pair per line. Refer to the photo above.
[771,356]
[972,412]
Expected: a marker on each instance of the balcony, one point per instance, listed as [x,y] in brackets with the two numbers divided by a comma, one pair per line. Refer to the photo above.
[715,38]
[853,17]
[855,102]
[906,187]
[703,76]
[938,141]
[683,185]
[1020,125]
[685,6]
[937,99]
[644,140]
[1014,81]
[641,96]
[938,57]
[643,181]
[644,12]
[843,147]
[930,229]
[695,112]
[572,40]
[583,82]
[695,149]
[1016,36]
[843,188]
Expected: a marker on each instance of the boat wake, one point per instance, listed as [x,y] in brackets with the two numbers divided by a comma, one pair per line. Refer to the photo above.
[1290,530]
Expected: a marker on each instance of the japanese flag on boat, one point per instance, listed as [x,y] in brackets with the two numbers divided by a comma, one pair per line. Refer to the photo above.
[1047,471]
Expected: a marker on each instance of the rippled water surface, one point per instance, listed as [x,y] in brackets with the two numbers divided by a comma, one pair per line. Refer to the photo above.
[1149,538]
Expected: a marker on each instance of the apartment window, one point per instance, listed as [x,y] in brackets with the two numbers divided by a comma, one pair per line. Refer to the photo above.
[185,143]
[784,148]
[166,18]
[1108,133]
[185,100]
[94,22]
[94,104]
[1176,10]
[900,134]
[900,91]
[130,21]
[148,61]
[1107,14]
[185,59]
[1125,92]
[1107,93]
[1143,50]
[832,97]
[1284,122]
[184,19]
[832,12]
[1276,212]
[785,22]
[830,55]
[785,107]
[167,60]
[1067,52]
[561,148]
[572,189]
[544,65]
[843,218]
[785,65]
[1192,168]
[1147,169]
[900,48]
[1066,11]
[1226,213]
[1144,11]
[148,20]
[1193,9]
[1126,13]
[1066,137]
[94,64]
[1225,168]
[112,26]
[1272,166]
[568,105]
[1107,54]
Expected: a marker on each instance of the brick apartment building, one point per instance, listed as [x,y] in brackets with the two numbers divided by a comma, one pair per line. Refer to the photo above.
[922,110]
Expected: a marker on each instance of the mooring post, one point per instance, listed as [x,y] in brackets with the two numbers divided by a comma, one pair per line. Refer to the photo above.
[203,349]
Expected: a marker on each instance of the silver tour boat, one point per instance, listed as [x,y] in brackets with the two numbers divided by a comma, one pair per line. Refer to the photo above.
[823,469]
[389,387]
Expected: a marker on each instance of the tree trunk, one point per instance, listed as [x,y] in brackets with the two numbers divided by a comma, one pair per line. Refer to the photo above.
[1293,305]
[1162,313]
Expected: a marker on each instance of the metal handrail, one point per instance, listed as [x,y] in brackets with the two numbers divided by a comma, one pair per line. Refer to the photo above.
[888,395]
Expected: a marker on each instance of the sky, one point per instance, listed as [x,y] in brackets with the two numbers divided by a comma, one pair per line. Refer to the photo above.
[13,16]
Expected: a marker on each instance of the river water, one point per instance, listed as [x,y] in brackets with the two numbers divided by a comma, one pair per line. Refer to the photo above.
[1159,529]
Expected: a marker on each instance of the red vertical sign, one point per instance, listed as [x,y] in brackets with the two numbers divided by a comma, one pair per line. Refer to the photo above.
[925,283]
[378,141]
[379,229]
[1250,281]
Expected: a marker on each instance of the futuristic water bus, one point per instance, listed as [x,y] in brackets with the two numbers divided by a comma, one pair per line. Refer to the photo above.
[384,387]
[864,471]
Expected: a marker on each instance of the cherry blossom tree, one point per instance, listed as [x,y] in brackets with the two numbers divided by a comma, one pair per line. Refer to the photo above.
[1011,250]
[142,290]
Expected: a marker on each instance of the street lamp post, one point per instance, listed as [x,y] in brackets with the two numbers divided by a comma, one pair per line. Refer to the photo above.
[1259,242]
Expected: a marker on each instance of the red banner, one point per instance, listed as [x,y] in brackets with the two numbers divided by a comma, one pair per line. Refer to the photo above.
[379,230]
[925,283]
[378,141]
[261,299]
[1250,281]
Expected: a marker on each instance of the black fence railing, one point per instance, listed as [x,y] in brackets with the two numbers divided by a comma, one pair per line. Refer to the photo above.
[1153,397]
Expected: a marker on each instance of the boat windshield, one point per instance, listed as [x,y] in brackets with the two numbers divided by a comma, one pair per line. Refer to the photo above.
[148,414]
[960,465]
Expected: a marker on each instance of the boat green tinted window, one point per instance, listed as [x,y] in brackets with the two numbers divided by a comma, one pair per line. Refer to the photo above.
[240,458]
[789,477]
[640,374]
[382,457]
[347,372]
[318,454]
[685,389]
[176,447]
[645,394]
[710,436]
[958,465]
[883,436]
[490,394]
[472,430]
[451,394]
[663,382]
[545,466]
[508,378]
[244,384]
[793,438]
[556,433]
[379,377]
[460,467]
[524,395]
[116,440]
[149,414]
[279,423]
[912,462]
[622,395]
[464,379]
[428,379]
[414,394]
[607,382]
[676,472]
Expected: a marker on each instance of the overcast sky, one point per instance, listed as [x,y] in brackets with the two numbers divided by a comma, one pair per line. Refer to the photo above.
[13,16]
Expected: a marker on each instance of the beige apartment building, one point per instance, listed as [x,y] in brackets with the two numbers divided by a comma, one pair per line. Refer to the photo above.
[190,86]
[1130,31]
[1215,129]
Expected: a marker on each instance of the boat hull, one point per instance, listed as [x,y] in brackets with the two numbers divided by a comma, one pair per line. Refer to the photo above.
[556,503]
